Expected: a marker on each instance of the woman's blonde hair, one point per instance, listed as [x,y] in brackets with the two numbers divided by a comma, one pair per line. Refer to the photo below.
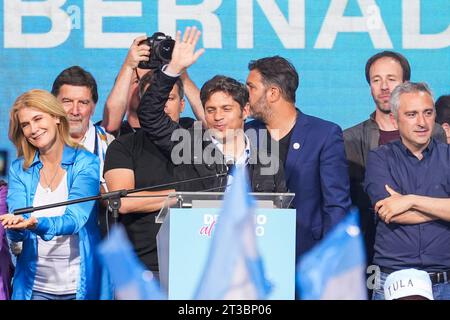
[43,101]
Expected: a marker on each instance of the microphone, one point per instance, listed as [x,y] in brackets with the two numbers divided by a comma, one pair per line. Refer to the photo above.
[113,195]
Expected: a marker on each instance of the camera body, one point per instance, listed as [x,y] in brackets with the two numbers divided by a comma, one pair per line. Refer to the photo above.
[161,47]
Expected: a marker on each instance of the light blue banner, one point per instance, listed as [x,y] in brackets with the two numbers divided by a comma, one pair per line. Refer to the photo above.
[328,41]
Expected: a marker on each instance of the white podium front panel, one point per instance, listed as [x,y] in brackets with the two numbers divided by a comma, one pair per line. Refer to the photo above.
[185,238]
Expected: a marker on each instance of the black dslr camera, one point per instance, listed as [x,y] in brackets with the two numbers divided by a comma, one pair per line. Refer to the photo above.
[161,47]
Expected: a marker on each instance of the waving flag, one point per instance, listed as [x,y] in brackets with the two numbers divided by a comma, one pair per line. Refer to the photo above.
[335,268]
[130,278]
[234,269]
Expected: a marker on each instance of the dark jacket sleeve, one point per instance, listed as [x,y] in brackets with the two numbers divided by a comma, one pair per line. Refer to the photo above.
[153,120]
[354,150]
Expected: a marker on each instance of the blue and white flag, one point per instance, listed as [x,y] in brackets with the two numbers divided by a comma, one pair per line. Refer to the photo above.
[129,276]
[335,268]
[234,269]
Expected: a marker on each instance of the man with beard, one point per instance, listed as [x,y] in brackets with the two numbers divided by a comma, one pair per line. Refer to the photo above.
[311,149]
[384,72]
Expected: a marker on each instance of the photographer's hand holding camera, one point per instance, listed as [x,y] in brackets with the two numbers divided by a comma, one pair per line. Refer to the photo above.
[124,97]
[138,52]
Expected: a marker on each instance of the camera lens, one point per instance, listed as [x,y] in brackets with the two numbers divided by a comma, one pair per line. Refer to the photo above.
[165,49]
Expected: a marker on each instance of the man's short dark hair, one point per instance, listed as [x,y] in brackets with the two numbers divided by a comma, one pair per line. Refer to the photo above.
[76,76]
[149,78]
[238,91]
[277,71]
[406,68]
[443,109]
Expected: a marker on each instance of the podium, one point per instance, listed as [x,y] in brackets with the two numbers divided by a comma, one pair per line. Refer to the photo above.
[188,221]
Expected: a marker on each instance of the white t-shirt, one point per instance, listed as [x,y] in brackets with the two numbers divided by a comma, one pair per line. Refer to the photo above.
[58,260]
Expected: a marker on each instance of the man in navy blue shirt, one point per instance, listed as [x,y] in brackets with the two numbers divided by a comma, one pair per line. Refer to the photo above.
[401,173]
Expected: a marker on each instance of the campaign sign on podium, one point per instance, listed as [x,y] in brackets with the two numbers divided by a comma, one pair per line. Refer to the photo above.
[188,226]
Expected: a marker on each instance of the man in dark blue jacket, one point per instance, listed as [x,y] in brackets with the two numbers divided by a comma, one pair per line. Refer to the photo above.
[311,149]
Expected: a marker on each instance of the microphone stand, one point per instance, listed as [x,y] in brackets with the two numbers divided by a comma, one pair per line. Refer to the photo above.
[113,197]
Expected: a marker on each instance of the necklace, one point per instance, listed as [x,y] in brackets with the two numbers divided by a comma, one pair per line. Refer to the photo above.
[48,188]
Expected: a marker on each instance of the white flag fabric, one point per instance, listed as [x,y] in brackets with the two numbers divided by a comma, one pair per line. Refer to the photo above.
[234,269]
[128,274]
[335,268]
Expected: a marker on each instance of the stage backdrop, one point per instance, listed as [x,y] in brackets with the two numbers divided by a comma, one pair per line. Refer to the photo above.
[328,41]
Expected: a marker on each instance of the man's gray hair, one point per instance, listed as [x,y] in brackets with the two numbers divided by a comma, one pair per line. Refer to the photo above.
[406,87]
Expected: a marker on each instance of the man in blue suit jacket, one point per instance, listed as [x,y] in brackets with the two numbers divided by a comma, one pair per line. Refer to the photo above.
[311,149]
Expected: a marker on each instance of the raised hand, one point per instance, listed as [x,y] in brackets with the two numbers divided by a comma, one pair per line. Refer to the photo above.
[184,54]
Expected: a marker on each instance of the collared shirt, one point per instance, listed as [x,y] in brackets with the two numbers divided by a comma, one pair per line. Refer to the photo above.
[243,158]
[230,160]
[424,246]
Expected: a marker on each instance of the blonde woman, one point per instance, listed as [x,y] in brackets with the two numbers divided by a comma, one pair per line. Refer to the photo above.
[58,260]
